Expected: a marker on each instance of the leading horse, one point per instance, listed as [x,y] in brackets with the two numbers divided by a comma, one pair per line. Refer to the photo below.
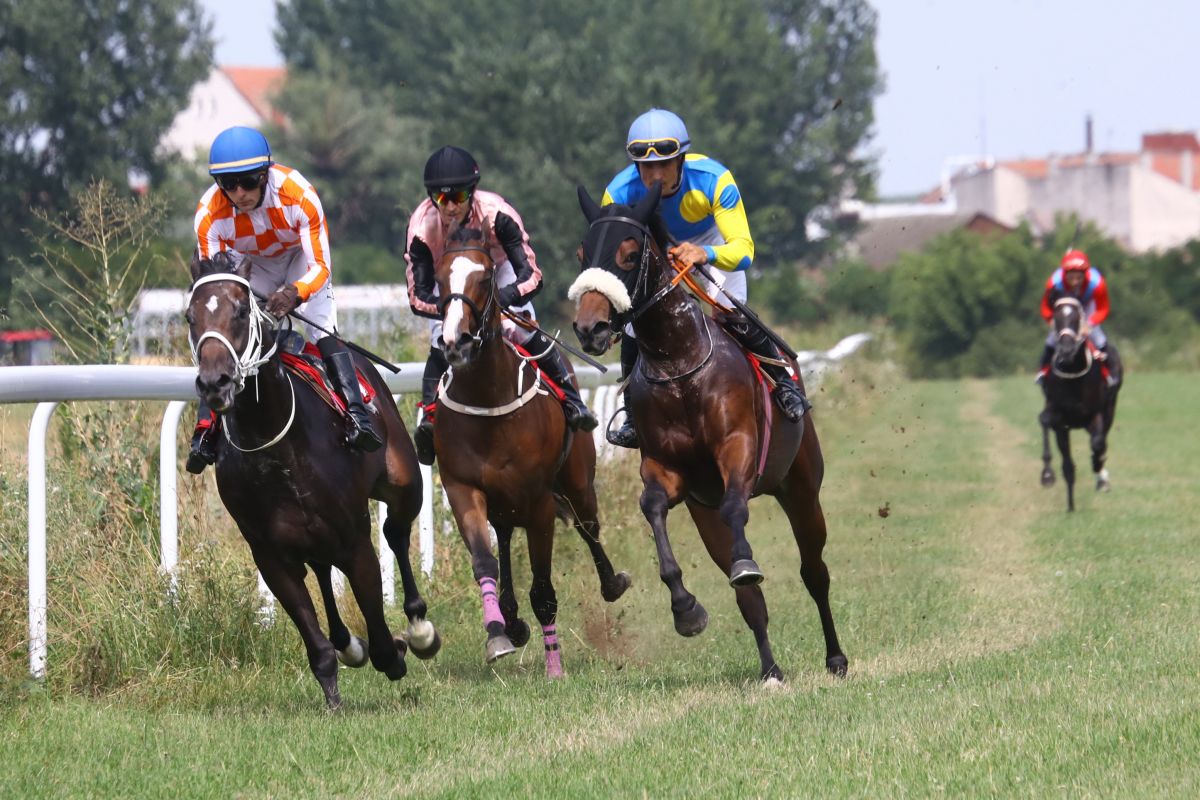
[297,491]
[1077,396]
[708,436]
[506,454]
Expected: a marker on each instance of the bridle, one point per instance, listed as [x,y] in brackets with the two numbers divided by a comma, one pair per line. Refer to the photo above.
[1076,336]
[252,357]
[484,331]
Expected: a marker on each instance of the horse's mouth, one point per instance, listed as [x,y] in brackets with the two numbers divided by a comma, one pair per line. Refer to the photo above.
[595,339]
[460,356]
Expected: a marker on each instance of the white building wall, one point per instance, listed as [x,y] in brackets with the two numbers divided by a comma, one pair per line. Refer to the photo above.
[214,105]
[1098,192]
[1000,193]
[1165,214]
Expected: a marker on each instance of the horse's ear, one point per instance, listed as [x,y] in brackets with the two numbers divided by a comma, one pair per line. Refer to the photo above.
[590,210]
[646,206]
[195,265]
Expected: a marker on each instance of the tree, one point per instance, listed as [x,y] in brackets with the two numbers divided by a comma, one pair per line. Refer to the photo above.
[87,88]
[543,93]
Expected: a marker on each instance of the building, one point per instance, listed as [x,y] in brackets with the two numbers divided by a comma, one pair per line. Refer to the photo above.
[228,96]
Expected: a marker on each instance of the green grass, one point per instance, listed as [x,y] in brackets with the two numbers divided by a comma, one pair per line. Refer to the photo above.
[997,645]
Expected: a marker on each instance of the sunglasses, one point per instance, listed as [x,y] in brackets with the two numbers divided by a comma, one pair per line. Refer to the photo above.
[242,180]
[663,148]
[458,197]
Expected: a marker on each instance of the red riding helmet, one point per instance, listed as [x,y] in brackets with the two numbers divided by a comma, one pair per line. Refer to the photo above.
[1075,260]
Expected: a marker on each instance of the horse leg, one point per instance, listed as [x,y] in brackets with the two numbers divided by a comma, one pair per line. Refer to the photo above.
[583,508]
[542,597]
[718,540]
[690,617]
[362,569]
[1099,438]
[1063,436]
[515,628]
[1047,470]
[470,511]
[801,503]
[423,638]
[286,582]
[351,650]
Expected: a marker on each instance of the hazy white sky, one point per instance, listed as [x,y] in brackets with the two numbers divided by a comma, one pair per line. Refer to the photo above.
[1007,78]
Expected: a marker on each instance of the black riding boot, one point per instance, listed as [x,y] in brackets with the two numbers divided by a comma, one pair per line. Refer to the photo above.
[340,366]
[435,366]
[787,394]
[1044,367]
[626,435]
[204,440]
[579,416]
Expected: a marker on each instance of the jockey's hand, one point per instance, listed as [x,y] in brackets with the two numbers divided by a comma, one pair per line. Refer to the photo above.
[285,299]
[508,295]
[688,254]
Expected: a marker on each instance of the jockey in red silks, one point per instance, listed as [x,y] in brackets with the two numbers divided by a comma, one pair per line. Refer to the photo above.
[1076,277]
[451,181]
[270,215]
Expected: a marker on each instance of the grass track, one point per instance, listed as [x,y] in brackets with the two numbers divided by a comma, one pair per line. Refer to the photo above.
[997,646]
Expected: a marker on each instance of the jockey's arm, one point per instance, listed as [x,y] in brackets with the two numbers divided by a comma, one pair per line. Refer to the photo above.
[730,215]
[421,298]
[512,237]
[314,239]
[1100,297]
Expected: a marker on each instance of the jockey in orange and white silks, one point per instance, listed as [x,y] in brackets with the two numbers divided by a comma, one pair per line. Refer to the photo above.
[451,180]
[271,216]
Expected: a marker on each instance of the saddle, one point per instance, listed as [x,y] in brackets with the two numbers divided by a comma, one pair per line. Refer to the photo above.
[305,362]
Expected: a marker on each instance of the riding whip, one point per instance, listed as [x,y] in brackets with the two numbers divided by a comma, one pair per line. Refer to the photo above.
[530,325]
[356,348]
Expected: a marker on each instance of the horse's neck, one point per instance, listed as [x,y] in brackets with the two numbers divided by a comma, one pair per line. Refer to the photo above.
[672,329]
[491,376]
[264,404]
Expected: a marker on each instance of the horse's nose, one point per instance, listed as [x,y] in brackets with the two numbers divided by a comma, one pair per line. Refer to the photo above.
[215,388]
[594,338]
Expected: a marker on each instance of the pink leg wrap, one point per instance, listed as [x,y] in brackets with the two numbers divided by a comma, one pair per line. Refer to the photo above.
[491,604]
[553,656]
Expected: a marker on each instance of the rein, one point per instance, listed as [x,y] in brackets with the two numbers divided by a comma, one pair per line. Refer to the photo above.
[484,316]
[252,358]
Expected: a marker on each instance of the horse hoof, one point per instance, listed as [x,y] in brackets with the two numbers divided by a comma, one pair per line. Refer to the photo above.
[1047,479]
[355,654]
[745,572]
[498,647]
[517,632]
[837,665]
[397,669]
[621,581]
[693,621]
[772,677]
[429,650]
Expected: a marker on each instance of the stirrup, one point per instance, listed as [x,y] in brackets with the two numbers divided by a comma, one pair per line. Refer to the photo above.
[791,400]
[580,417]
[202,453]
[624,436]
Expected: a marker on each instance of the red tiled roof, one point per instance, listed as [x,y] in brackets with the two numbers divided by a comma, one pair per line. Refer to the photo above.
[1170,141]
[258,85]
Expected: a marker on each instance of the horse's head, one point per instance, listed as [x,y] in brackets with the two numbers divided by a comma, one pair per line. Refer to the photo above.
[614,261]
[225,328]
[466,279]
[1069,333]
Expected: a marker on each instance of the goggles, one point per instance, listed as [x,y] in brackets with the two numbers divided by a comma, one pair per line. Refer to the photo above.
[663,148]
[241,180]
[457,196]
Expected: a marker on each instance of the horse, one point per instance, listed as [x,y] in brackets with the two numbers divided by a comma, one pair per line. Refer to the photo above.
[708,436]
[298,493]
[1077,396]
[506,454]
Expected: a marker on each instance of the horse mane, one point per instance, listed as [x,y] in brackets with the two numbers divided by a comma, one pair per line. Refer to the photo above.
[221,261]
[658,229]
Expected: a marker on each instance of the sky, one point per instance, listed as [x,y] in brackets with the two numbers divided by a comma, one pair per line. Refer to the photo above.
[967,78]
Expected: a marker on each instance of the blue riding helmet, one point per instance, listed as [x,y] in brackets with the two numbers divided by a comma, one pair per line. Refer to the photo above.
[657,135]
[238,149]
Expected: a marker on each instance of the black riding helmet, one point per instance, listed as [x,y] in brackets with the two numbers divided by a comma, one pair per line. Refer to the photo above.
[451,168]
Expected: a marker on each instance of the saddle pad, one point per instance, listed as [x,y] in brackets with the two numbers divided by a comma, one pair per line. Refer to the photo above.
[310,368]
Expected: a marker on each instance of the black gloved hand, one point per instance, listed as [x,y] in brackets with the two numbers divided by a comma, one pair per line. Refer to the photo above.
[509,296]
[285,299]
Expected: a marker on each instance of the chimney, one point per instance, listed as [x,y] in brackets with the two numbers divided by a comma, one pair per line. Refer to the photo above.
[1087,133]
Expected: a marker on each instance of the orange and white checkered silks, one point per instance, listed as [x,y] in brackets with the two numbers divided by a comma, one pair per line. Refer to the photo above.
[290,216]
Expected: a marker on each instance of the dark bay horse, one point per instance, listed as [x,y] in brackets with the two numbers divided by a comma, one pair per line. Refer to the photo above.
[1077,396]
[298,493]
[506,455]
[708,436]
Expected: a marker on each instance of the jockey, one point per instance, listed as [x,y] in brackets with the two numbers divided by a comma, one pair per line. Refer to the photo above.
[1076,277]
[704,213]
[271,215]
[451,178]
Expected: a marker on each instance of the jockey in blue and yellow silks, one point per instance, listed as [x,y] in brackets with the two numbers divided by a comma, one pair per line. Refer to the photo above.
[703,211]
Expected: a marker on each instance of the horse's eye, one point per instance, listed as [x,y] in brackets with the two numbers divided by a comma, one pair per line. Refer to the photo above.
[190,317]
[243,311]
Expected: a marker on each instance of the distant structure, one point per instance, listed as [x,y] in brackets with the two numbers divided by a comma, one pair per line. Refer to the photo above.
[228,96]
[1147,200]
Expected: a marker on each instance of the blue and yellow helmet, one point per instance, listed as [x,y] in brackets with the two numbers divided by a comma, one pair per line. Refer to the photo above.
[657,135]
[238,149]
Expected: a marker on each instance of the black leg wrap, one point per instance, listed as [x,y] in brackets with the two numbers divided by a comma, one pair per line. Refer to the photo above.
[340,365]
[579,416]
